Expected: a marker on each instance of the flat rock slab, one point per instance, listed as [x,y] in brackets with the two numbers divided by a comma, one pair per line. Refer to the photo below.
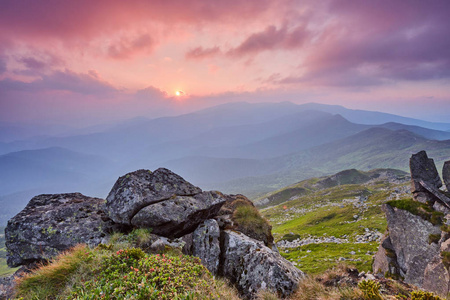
[50,224]
[252,266]
[136,190]
[179,215]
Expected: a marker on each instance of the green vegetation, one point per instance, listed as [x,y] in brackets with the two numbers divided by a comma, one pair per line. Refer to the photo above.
[370,289]
[318,258]
[419,209]
[343,211]
[4,269]
[249,219]
[421,295]
[434,238]
[113,272]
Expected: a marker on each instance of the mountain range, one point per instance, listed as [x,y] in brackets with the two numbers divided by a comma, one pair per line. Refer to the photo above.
[236,148]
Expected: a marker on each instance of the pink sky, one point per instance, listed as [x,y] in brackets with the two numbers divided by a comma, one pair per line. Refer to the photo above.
[90,61]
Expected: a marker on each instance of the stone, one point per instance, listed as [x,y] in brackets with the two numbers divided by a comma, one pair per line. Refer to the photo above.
[446,174]
[436,277]
[423,168]
[138,189]
[50,224]
[252,266]
[162,244]
[179,215]
[409,235]
[206,245]
[436,193]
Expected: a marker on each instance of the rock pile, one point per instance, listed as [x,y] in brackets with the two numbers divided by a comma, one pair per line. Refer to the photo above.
[416,246]
[180,215]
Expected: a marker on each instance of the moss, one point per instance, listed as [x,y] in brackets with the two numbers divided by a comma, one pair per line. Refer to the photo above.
[434,238]
[445,255]
[419,209]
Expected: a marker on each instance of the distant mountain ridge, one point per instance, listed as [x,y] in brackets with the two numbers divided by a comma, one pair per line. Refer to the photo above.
[238,148]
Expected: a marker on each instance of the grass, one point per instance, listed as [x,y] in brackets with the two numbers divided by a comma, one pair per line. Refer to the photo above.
[116,271]
[4,269]
[325,212]
[318,258]
[419,209]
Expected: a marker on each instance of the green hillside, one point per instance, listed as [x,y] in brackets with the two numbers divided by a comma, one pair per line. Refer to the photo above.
[336,218]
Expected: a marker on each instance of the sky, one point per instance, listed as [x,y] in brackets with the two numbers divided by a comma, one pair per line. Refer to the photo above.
[83,62]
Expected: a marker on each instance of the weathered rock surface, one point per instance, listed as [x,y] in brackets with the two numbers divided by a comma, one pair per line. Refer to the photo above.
[253,266]
[423,168]
[446,174]
[50,224]
[136,190]
[206,245]
[409,235]
[179,215]
[436,277]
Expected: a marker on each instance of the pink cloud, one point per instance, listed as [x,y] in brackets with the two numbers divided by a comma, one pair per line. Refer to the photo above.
[126,48]
[271,39]
[201,53]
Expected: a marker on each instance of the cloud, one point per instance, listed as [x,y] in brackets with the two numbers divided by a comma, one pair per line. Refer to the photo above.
[3,67]
[85,18]
[201,53]
[126,47]
[271,39]
[67,80]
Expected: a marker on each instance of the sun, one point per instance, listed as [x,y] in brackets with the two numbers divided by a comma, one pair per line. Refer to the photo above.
[179,93]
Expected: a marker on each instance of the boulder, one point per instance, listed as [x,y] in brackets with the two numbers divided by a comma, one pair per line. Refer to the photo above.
[162,244]
[252,266]
[423,168]
[446,174]
[409,236]
[179,215]
[436,277]
[138,189]
[50,224]
[206,245]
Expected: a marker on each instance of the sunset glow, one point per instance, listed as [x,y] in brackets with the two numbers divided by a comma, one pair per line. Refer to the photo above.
[71,60]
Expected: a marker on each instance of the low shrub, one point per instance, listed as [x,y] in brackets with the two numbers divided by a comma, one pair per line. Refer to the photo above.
[370,289]
[421,295]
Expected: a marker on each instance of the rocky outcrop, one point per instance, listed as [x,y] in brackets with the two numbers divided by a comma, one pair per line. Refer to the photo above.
[423,169]
[253,266]
[136,190]
[446,174]
[182,217]
[179,215]
[416,246]
[206,245]
[50,224]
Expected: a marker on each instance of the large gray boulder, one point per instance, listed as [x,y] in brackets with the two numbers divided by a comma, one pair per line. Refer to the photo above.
[446,174]
[179,215]
[252,266]
[423,169]
[206,245]
[50,224]
[138,189]
[409,244]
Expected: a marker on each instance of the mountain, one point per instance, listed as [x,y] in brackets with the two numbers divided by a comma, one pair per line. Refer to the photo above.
[424,132]
[54,168]
[373,117]
[368,149]
[352,176]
